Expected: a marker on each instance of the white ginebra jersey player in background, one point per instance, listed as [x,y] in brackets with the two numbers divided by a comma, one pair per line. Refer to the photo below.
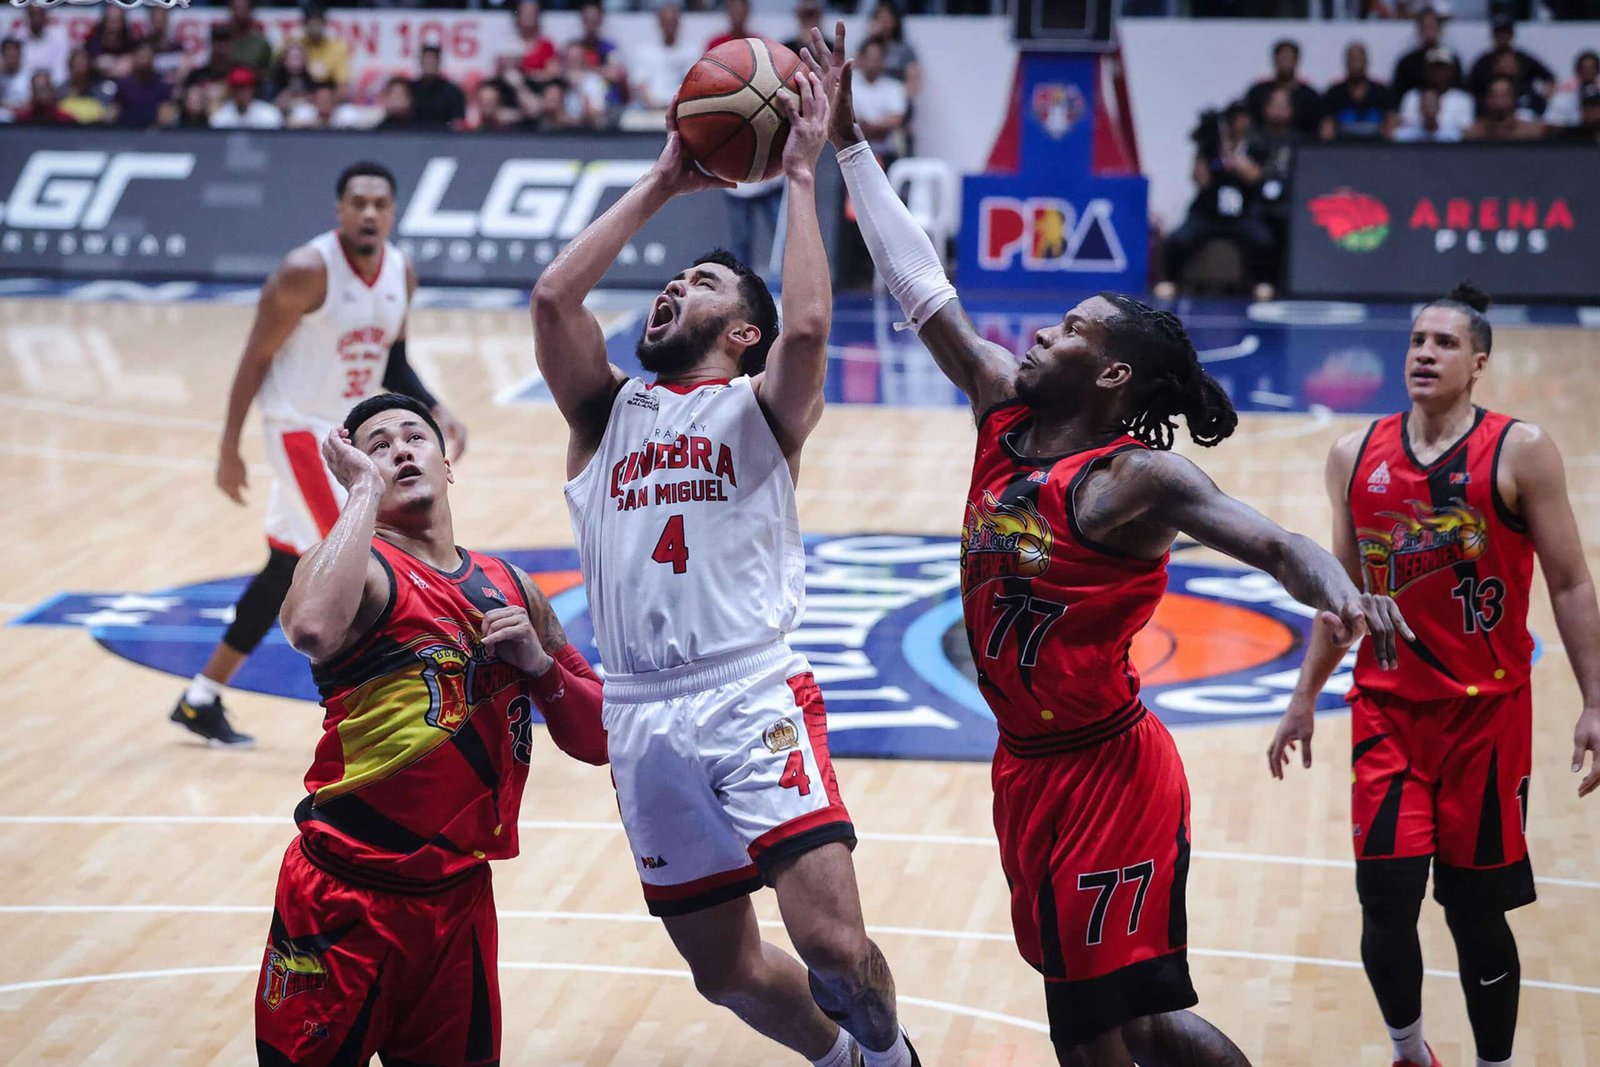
[329,332]
[682,499]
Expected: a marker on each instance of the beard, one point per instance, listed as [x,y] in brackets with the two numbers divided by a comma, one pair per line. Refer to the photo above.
[679,350]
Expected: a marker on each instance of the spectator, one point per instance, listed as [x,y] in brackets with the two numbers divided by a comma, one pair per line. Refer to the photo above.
[169,53]
[1456,111]
[584,92]
[142,91]
[757,208]
[540,59]
[518,92]
[1411,70]
[488,111]
[291,78]
[601,54]
[45,45]
[880,102]
[191,110]
[1358,108]
[1531,72]
[1529,103]
[1426,128]
[398,113]
[325,111]
[248,44]
[1273,147]
[808,16]
[87,95]
[1228,178]
[243,109]
[1499,120]
[110,44]
[1587,131]
[42,109]
[738,25]
[327,56]
[14,88]
[659,66]
[1306,103]
[1565,104]
[436,100]
[214,71]
[899,59]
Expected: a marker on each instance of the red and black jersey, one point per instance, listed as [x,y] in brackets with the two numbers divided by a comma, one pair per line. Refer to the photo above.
[1050,614]
[1440,540]
[419,774]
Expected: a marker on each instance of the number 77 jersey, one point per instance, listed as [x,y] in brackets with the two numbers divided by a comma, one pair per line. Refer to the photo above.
[1050,614]
[687,528]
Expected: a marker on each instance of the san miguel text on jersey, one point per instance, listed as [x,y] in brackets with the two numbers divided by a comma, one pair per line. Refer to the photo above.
[1439,539]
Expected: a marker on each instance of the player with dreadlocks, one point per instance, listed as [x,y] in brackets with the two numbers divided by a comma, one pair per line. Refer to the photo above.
[1074,505]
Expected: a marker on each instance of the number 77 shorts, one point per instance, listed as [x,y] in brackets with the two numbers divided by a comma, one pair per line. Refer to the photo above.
[722,772]
[1095,846]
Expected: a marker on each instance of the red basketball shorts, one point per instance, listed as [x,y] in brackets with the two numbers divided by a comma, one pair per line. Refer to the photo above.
[1447,779]
[352,972]
[1095,847]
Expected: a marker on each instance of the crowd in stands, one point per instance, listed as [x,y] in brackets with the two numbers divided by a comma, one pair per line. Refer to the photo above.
[134,74]
[1245,153]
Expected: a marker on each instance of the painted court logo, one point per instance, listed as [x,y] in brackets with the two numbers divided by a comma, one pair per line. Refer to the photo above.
[883,632]
[1355,221]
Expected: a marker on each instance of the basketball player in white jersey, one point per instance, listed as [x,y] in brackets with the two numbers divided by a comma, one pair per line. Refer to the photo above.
[329,332]
[682,499]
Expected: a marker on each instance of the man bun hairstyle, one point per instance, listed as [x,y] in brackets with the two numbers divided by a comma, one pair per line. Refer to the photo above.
[760,310]
[1474,303]
[1167,378]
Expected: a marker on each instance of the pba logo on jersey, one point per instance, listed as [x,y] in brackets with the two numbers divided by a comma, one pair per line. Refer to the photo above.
[1004,541]
[884,634]
[1428,540]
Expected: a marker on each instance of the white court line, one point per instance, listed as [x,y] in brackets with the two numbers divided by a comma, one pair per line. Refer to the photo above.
[85,411]
[637,918]
[560,824]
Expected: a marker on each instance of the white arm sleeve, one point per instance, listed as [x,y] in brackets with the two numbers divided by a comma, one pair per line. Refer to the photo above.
[902,251]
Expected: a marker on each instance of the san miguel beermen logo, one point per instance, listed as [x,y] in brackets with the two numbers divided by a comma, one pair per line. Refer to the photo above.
[1427,540]
[289,971]
[884,634]
[1003,541]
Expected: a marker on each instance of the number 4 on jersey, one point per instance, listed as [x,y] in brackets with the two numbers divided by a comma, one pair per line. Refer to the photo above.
[671,548]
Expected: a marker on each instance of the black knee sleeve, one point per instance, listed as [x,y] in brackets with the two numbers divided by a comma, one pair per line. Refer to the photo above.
[1391,893]
[261,601]
[1491,976]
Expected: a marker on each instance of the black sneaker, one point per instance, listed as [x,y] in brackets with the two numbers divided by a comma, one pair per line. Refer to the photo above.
[210,722]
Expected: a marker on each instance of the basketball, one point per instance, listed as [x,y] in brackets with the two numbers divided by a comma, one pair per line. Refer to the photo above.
[729,116]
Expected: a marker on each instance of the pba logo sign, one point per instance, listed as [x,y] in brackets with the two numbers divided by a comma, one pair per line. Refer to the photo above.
[1047,233]
[883,632]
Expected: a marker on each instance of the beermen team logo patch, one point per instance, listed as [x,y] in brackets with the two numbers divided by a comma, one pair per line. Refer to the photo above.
[883,631]
[1426,540]
[289,971]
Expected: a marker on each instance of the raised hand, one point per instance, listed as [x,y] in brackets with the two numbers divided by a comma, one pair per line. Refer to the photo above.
[674,171]
[829,63]
[351,466]
[807,110]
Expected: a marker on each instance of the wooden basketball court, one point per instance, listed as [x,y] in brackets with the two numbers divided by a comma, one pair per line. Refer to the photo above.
[140,867]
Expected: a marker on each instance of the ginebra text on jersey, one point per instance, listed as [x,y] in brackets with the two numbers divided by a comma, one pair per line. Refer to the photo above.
[685,452]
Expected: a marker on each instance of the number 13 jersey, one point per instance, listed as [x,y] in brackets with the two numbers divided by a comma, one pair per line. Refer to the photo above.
[687,528]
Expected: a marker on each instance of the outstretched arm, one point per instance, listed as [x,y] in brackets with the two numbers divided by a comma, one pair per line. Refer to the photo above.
[567,341]
[1323,653]
[903,253]
[791,386]
[294,290]
[1541,494]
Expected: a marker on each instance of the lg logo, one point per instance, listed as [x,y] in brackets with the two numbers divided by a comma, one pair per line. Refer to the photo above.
[530,199]
[61,190]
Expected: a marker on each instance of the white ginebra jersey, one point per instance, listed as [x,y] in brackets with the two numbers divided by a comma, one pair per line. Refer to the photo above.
[337,354]
[687,528]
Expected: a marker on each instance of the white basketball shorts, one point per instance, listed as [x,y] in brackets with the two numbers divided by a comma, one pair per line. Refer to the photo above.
[722,771]
[305,499]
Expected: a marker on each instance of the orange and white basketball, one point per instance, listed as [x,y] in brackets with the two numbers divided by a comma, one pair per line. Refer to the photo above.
[729,115]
